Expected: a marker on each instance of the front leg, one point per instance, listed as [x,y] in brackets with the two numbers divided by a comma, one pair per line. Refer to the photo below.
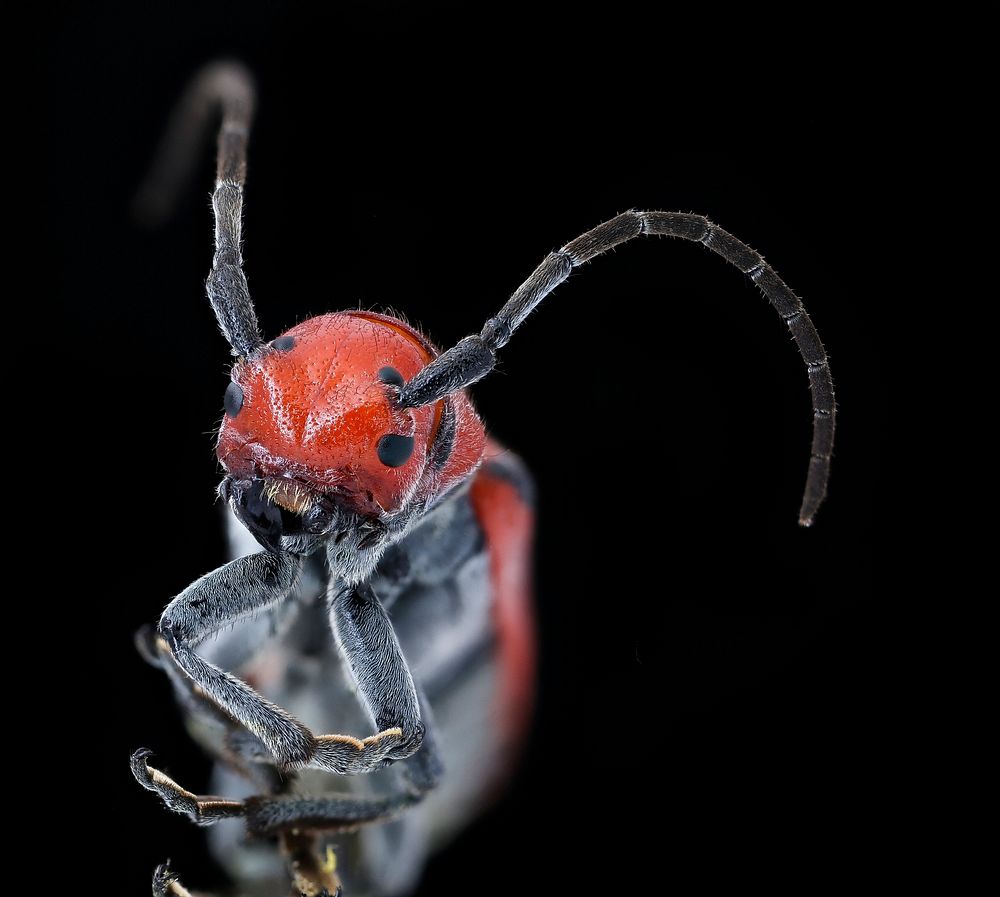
[250,585]
[368,642]
[243,587]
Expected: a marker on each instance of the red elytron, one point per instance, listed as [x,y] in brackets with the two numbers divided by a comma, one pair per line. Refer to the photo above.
[508,522]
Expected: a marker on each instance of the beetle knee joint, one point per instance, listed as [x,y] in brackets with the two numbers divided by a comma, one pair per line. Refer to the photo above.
[413,738]
[171,631]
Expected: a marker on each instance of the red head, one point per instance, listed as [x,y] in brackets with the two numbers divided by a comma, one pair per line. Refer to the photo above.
[312,417]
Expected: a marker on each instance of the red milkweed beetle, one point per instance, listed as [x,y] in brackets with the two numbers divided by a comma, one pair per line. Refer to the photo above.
[354,457]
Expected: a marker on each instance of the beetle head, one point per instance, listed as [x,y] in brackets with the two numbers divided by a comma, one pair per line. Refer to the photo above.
[313,436]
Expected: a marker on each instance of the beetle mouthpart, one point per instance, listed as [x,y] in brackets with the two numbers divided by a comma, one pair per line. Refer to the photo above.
[288,495]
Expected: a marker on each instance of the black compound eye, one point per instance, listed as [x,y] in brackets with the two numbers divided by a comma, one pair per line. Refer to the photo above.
[233,402]
[391,375]
[284,343]
[395,451]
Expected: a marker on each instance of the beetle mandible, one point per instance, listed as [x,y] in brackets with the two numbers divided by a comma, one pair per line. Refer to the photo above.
[354,457]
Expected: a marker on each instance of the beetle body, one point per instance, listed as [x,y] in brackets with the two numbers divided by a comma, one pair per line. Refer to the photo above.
[364,679]
[440,532]
[458,589]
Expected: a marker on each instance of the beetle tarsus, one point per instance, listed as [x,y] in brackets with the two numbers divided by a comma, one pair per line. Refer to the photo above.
[167,884]
[202,810]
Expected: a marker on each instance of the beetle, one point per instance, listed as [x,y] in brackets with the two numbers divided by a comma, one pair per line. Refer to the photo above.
[353,456]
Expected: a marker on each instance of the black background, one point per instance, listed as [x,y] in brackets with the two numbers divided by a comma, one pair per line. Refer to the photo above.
[711,684]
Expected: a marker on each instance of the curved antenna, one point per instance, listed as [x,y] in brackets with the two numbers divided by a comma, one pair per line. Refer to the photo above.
[226,90]
[474,357]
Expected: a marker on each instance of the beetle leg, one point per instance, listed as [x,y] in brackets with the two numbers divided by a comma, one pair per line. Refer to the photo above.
[167,884]
[251,585]
[268,815]
[203,810]
[311,874]
[156,652]
[243,587]
[385,686]
[236,747]
[271,815]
